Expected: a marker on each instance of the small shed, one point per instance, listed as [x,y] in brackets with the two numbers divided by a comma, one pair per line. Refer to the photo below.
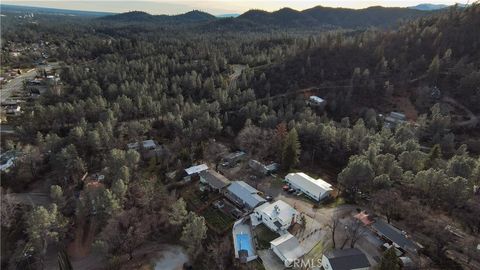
[233,158]
[192,172]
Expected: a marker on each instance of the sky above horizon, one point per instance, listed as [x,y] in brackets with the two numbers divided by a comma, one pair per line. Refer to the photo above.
[215,7]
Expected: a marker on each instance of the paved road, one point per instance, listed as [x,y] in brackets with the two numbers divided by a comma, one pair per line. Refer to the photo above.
[15,84]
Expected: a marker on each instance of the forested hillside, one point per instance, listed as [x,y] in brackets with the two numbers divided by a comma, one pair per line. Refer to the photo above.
[441,51]
[313,18]
[138,16]
[200,94]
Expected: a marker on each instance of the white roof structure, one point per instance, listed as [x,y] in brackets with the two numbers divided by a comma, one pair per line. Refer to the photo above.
[317,99]
[279,210]
[288,247]
[196,169]
[306,182]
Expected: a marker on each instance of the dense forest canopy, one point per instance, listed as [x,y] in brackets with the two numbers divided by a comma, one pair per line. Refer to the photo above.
[125,81]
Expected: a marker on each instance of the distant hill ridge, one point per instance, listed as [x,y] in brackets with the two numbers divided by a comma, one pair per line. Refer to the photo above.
[428,6]
[140,16]
[341,17]
[284,18]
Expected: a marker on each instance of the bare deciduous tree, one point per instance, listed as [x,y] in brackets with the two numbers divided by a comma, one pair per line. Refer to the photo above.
[354,231]
[334,222]
[8,211]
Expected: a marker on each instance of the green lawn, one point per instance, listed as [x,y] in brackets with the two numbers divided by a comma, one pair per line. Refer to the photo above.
[217,219]
[264,236]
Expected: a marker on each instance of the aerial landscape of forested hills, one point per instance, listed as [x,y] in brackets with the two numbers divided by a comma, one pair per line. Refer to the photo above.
[139,141]
[310,18]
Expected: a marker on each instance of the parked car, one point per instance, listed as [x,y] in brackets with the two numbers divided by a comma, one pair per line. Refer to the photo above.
[286,187]
[269,198]
[291,190]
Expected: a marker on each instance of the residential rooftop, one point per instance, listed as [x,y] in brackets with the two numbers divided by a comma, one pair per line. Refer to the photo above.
[393,234]
[214,178]
[347,259]
[196,169]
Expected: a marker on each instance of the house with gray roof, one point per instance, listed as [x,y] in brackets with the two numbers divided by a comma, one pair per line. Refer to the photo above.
[394,119]
[398,238]
[244,195]
[345,259]
[232,159]
[148,149]
[287,248]
[210,179]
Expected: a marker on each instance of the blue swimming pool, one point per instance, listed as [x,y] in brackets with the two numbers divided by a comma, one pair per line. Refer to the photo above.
[244,242]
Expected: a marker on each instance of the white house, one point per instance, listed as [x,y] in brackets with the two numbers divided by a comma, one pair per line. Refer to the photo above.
[278,216]
[345,259]
[315,189]
[287,248]
[317,101]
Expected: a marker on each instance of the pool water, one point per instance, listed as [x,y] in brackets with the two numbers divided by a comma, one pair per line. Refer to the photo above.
[244,242]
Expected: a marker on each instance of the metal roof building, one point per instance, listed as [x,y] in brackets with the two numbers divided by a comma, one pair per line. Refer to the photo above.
[398,238]
[345,259]
[244,194]
[315,189]
[214,179]
[287,248]
[196,169]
